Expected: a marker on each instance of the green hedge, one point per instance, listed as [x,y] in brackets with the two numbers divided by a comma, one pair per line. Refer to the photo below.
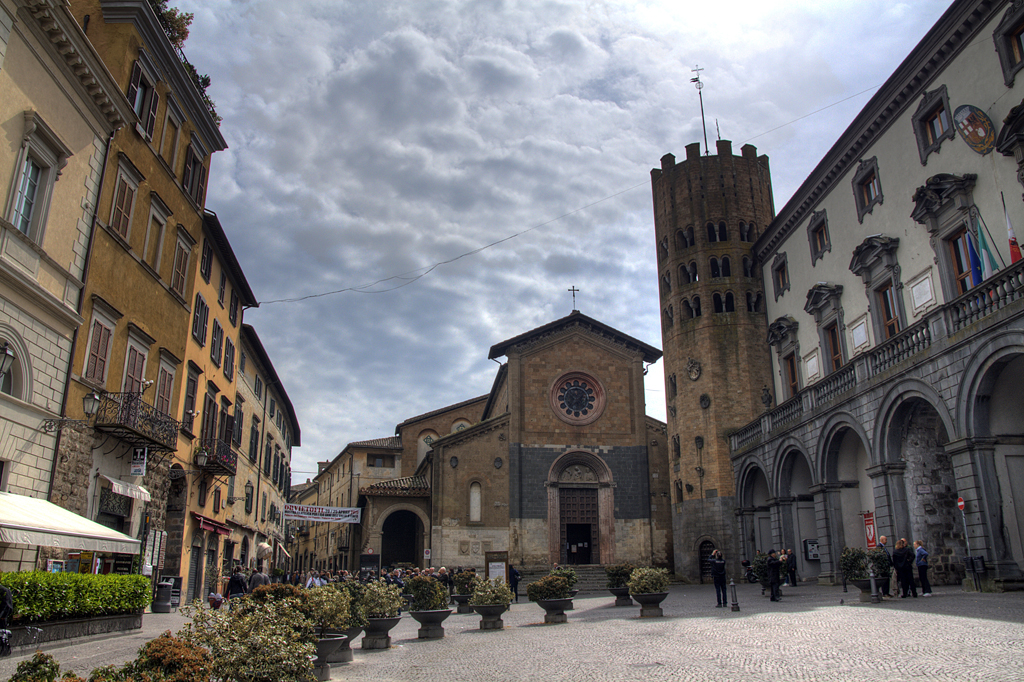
[41,596]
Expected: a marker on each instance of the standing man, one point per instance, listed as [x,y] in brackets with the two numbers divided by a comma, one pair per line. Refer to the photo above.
[258,578]
[236,586]
[718,573]
[791,566]
[885,575]
[773,575]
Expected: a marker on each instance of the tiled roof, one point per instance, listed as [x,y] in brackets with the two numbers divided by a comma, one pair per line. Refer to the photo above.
[410,486]
[441,410]
[386,442]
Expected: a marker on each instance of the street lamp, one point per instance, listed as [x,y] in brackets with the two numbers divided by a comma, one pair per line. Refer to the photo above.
[6,360]
[201,458]
[248,493]
[90,406]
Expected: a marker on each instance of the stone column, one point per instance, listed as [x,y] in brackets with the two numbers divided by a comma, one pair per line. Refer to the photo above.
[831,538]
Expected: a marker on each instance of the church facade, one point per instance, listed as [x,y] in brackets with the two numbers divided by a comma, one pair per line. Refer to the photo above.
[558,463]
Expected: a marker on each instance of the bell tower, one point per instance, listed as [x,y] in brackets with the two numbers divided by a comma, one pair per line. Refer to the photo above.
[708,212]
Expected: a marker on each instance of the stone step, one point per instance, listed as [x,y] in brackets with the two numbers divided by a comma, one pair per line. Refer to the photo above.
[590,578]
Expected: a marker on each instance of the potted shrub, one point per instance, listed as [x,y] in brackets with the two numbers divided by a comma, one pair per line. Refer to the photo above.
[328,610]
[429,605]
[760,568]
[356,619]
[465,584]
[570,577]
[618,575]
[854,564]
[649,586]
[381,604]
[552,594]
[490,599]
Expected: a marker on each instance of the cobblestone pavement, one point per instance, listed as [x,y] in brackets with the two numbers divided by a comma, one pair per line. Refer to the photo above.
[808,636]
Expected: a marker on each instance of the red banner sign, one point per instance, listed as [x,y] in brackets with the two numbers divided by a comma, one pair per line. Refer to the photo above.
[869,530]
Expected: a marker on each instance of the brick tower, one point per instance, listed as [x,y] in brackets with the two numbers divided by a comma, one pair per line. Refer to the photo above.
[708,211]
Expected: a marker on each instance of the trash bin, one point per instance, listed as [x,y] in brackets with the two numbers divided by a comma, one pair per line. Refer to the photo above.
[162,603]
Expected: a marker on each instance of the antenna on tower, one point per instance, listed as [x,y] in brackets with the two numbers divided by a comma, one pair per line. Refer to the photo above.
[696,81]
[718,130]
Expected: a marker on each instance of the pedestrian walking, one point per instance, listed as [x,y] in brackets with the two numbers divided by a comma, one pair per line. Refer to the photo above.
[718,574]
[237,587]
[903,562]
[773,574]
[513,580]
[257,579]
[921,561]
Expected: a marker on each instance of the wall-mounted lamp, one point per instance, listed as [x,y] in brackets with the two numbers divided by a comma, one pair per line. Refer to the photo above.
[90,406]
[6,360]
[248,493]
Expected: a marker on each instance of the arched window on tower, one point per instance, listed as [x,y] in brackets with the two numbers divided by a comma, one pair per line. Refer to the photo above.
[712,233]
[687,310]
[675,446]
[723,234]
[726,269]
[715,272]
[730,302]
[694,276]
[746,232]
[758,300]
[666,282]
[696,306]
[475,502]
[748,267]
[684,275]
[669,316]
[718,304]
[663,249]
[750,302]
[684,240]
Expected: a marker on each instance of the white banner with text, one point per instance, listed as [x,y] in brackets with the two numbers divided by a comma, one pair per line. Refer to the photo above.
[305,512]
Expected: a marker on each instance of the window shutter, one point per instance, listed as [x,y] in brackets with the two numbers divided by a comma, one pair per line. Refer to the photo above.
[136,362]
[201,185]
[133,86]
[186,173]
[154,100]
[98,352]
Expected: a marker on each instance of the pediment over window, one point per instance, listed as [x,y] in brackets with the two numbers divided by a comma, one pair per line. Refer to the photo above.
[935,196]
[782,329]
[876,250]
[823,298]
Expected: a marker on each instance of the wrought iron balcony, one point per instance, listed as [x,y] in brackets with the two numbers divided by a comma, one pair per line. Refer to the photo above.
[221,459]
[126,416]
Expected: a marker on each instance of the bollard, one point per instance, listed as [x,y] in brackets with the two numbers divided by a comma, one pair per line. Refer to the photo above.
[844,581]
[874,588]
[735,602]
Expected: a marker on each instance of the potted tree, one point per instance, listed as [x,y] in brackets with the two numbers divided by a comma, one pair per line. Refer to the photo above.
[649,586]
[618,575]
[465,584]
[381,603]
[552,594]
[760,568]
[490,599]
[328,610]
[429,602]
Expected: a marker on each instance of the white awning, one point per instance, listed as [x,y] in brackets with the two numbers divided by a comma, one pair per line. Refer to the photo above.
[128,489]
[31,521]
[263,549]
[284,551]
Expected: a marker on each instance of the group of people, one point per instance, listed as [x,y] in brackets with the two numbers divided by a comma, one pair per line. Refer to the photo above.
[904,560]
[241,584]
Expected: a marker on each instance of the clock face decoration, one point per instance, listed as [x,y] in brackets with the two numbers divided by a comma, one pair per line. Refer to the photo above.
[577,398]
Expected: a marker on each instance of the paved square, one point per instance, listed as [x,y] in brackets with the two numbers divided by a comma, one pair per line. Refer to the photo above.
[808,636]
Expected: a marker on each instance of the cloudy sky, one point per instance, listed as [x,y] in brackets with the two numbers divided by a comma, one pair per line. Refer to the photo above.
[372,140]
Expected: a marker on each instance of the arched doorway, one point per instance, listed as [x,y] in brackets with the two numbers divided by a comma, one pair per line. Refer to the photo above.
[581,505]
[704,556]
[799,522]
[401,539]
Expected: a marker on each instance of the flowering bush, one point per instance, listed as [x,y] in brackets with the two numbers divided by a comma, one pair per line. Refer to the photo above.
[548,587]
[568,573]
[465,582]
[381,600]
[428,594]
[648,581]
[492,593]
[254,641]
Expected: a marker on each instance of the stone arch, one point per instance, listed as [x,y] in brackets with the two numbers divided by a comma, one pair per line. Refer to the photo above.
[797,508]
[894,399]
[788,449]
[375,536]
[834,425]
[755,502]
[978,379]
[591,473]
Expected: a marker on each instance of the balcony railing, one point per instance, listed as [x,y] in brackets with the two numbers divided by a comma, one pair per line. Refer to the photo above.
[991,296]
[130,419]
[221,459]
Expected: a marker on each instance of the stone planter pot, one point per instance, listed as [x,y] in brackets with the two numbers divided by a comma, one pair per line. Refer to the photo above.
[325,648]
[865,588]
[430,623]
[649,604]
[621,595]
[376,632]
[462,601]
[554,609]
[572,595]
[343,654]
[490,616]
